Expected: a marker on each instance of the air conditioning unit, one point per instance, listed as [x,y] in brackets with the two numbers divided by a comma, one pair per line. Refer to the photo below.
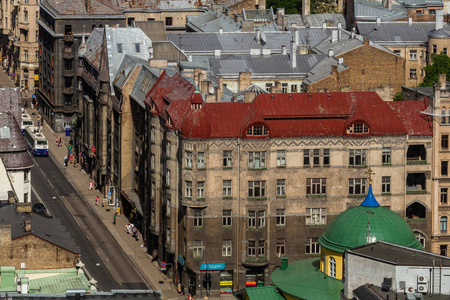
[422,279]
[422,288]
[410,289]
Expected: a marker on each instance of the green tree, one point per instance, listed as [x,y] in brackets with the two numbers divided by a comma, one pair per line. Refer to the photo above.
[295,6]
[440,65]
[398,96]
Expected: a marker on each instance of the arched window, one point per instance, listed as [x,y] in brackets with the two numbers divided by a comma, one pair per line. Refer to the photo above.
[358,128]
[420,237]
[258,130]
[443,224]
[443,118]
[332,267]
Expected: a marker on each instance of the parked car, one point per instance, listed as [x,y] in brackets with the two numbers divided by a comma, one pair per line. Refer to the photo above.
[40,209]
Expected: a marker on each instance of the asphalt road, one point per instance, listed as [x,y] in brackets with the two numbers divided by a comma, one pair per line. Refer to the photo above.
[102,255]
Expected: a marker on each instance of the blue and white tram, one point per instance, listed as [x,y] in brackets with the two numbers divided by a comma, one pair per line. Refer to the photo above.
[26,121]
[36,140]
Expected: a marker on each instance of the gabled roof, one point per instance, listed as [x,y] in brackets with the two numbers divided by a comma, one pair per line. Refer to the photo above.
[323,69]
[129,63]
[396,32]
[78,7]
[264,65]
[140,91]
[212,21]
[93,47]
[367,10]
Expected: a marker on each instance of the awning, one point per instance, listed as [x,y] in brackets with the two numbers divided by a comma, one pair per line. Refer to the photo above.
[133,198]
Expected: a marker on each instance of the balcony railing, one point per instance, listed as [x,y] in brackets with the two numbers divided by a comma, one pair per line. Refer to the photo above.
[24,25]
[68,73]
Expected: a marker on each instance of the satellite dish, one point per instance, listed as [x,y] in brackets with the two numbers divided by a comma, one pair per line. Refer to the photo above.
[211,90]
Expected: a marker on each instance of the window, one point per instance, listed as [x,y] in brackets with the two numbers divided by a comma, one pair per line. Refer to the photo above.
[356,186]
[256,188]
[152,161]
[25,197]
[421,238]
[419,11]
[445,51]
[434,49]
[293,88]
[130,22]
[261,248]
[312,246]
[251,248]
[257,159]
[262,218]
[397,52]
[443,116]
[444,195]
[168,177]
[226,217]
[306,157]
[226,185]
[25,16]
[281,187]
[137,47]
[412,73]
[152,134]
[257,131]
[198,249]
[443,250]
[200,160]
[444,168]
[326,157]
[316,216]
[284,87]
[444,142]
[412,54]
[281,158]
[227,158]
[316,157]
[386,155]
[357,157]
[145,86]
[67,29]
[251,218]
[26,175]
[200,189]
[280,249]
[332,267]
[188,159]
[168,205]
[316,186]
[386,184]
[281,217]
[119,48]
[358,128]
[198,218]
[25,55]
[432,11]
[443,224]
[189,189]
[226,248]
[269,87]
[168,145]
[169,21]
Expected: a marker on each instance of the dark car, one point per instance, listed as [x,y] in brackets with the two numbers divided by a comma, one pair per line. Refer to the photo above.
[40,209]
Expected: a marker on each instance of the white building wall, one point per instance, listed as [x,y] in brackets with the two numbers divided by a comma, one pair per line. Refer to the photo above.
[21,186]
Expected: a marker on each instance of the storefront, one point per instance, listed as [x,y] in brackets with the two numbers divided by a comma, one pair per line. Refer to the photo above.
[131,208]
[253,279]
[226,282]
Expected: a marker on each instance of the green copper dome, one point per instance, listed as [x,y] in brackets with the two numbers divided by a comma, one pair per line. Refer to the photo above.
[364,224]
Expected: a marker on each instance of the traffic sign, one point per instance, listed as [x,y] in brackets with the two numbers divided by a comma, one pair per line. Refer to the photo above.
[109,194]
[163,264]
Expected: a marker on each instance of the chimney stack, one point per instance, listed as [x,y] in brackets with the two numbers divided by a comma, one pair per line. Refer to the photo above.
[443,81]
[334,36]
[296,37]
[378,21]
[439,19]
[306,6]
[339,27]
[389,4]
[409,21]
[293,54]
[280,14]
[330,53]
[283,50]
[217,53]
[27,225]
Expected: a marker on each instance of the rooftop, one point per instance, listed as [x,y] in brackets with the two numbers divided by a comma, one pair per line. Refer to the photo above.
[79,7]
[396,32]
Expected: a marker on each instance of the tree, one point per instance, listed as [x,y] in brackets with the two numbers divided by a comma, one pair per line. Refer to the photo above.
[440,65]
[398,96]
[295,6]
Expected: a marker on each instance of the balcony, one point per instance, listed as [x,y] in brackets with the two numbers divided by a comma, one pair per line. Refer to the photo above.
[68,90]
[189,202]
[253,261]
[416,155]
[68,55]
[68,38]
[11,36]
[24,25]
[16,42]
[416,184]
[68,73]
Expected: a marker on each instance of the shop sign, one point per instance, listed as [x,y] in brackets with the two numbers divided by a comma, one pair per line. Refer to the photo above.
[226,291]
[181,260]
[212,266]
[226,283]
[250,282]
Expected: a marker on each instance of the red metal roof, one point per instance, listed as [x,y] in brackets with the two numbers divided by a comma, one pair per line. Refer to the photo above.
[409,112]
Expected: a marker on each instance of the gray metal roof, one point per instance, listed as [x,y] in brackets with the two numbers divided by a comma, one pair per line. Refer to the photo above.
[317,20]
[11,100]
[258,15]
[420,3]
[212,21]
[50,230]
[440,33]
[138,93]
[168,50]
[366,10]
[323,69]
[396,32]
[275,65]
[295,20]
[242,42]
[240,96]
[92,48]
[129,63]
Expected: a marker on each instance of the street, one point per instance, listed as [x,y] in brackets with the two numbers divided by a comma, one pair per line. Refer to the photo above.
[101,254]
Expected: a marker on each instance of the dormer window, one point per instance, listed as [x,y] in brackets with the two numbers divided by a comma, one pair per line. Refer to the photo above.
[259,130]
[358,128]
[169,121]
[196,106]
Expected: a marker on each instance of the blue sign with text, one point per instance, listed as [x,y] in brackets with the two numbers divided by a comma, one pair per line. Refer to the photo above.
[180,260]
[212,266]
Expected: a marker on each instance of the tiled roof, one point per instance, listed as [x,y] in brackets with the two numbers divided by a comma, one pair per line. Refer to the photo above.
[78,7]
[156,4]
[418,126]
[241,42]
[264,65]
[396,32]
[303,280]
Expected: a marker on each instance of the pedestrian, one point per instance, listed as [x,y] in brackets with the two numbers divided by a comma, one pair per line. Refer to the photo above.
[70,149]
[56,141]
[114,219]
[96,200]
[90,184]
[65,161]
[60,142]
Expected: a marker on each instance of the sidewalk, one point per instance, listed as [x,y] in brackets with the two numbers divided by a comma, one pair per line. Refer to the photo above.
[80,179]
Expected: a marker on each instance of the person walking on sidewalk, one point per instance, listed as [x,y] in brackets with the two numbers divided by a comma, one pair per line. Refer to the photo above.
[96,200]
[60,142]
[114,219]
[57,140]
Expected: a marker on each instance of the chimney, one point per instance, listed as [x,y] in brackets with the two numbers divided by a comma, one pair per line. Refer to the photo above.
[249,96]
[189,58]
[238,17]
[219,94]
[87,3]
[296,38]
[366,41]
[443,81]
[200,77]
[384,3]
[341,60]
[293,54]
[409,21]
[27,225]
[330,53]
[389,4]
[339,27]
[439,19]
[334,36]
[283,50]
[324,25]
[284,263]
[5,236]
[217,53]
[220,30]
[258,36]
[284,23]
[280,14]
[245,80]
[352,35]
[378,21]
[306,6]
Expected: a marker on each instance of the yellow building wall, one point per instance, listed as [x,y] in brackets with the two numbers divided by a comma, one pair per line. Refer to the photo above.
[338,257]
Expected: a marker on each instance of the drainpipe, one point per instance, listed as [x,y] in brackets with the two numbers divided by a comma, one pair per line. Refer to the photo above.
[238,244]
